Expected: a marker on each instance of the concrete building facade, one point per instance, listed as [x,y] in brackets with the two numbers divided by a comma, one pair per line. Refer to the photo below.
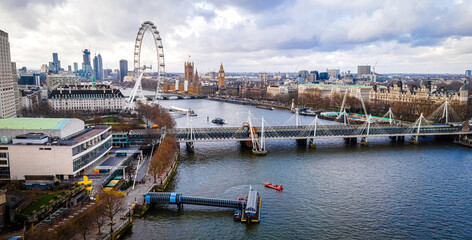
[101,98]
[426,92]
[273,91]
[59,148]
[328,90]
[55,80]
[363,70]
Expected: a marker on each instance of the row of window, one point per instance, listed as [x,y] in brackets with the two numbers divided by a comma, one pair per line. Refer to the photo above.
[88,144]
[91,156]
[4,173]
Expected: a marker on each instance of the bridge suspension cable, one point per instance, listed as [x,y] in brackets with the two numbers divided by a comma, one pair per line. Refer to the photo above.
[444,114]
[391,117]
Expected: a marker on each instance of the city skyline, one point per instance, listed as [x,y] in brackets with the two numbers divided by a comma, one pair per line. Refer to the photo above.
[247,36]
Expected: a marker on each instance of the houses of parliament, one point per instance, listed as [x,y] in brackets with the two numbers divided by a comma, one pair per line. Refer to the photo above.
[192,84]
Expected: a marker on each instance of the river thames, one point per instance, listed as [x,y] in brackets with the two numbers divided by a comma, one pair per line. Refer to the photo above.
[388,190]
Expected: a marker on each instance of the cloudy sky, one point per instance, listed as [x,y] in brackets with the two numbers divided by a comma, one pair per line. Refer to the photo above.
[417,36]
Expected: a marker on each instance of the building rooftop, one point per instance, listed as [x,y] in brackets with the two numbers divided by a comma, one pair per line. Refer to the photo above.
[33,123]
[337,85]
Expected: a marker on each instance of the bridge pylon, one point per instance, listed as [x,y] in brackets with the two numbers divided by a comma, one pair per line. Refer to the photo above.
[391,117]
[258,144]
[364,141]
[417,124]
[311,142]
[191,135]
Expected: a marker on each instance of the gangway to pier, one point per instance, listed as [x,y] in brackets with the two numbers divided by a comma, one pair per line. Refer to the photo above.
[250,206]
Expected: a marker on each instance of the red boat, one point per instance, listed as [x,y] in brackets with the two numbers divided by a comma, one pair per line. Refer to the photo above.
[276,187]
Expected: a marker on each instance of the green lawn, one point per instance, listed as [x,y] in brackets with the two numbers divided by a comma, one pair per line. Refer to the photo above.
[109,119]
[36,206]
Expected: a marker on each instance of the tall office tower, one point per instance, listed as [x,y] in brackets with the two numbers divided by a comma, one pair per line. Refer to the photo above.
[117,73]
[95,67]
[468,73]
[106,73]
[44,68]
[76,68]
[123,69]
[56,63]
[7,94]
[221,77]
[188,71]
[16,91]
[86,67]
[363,70]
[69,68]
[100,67]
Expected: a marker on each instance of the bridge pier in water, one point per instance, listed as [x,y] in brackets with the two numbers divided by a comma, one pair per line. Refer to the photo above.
[301,142]
[311,143]
[190,147]
[350,140]
[414,140]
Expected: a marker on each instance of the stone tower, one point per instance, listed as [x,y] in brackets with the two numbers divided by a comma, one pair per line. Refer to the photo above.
[221,77]
[188,71]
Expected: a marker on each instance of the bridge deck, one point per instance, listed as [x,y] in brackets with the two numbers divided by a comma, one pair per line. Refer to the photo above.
[177,198]
[301,132]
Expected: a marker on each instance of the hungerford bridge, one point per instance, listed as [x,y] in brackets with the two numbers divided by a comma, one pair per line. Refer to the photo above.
[256,136]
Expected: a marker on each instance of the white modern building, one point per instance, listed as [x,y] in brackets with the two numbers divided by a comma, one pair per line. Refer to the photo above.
[102,98]
[50,148]
[277,90]
[8,105]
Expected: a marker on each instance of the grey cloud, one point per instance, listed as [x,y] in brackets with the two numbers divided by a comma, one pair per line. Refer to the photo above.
[254,6]
[267,29]
[297,43]
[27,13]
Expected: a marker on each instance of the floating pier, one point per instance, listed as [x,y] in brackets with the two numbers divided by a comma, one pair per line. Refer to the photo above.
[248,209]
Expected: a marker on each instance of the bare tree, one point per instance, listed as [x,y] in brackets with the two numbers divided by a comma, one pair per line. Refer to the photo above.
[164,156]
[98,216]
[114,204]
[82,222]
